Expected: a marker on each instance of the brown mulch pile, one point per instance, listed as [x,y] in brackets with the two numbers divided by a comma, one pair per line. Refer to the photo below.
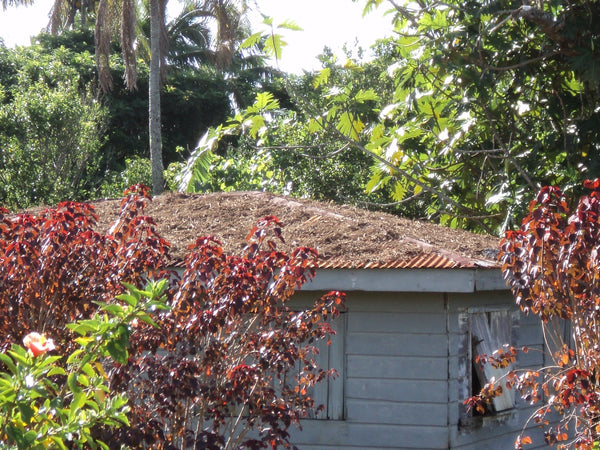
[337,232]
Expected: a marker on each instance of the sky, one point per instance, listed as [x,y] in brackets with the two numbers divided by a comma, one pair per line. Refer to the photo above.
[331,23]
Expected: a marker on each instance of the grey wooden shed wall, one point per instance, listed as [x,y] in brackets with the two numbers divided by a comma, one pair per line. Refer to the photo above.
[404,374]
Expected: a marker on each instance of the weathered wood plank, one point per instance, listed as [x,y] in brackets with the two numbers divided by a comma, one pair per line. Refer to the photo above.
[426,391]
[343,434]
[396,322]
[397,413]
[530,335]
[397,367]
[401,344]
[457,302]
[394,280]
[385,302]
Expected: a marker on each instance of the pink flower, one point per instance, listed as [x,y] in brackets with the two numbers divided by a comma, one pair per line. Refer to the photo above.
[37,343]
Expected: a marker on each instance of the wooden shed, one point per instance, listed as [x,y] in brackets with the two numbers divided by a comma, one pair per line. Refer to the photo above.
[423,301]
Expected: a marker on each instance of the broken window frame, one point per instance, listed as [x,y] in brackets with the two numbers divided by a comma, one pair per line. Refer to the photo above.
[471,322]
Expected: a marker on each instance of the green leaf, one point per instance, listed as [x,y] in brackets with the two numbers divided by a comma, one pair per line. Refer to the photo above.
[26,412]
[131,288]
[373,183]
[289,25]
[144,317]
[573,85]
[83,380]
[92,404]
[315,125]
[88,370]
[274,45]
[84,326]
[29,437]
[350,126]
[399,191]
[197,167]
[322,77]
[56,371]
[8,362]
[79,399]
[81,328]
[73,356]
[266,101]
[115,310]
[19,357]
[72,383]
[117,351]
[256,124]
[129,299]
[251,40]
[58,441]
[368,95]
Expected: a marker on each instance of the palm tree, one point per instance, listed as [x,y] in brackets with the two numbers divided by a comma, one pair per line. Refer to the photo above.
[190,39]
[157,22]
[120,16]
[64,12]
[191,42]
[187,36]
[232,26]
[7,3]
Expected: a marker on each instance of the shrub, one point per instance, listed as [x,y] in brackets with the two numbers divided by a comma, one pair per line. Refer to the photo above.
[54,402]
[552,265]
[229,365]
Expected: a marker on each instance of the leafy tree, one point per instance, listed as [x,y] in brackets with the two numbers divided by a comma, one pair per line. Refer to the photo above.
[551,265]
[227,18]
[50,130]
[110,17]
[188,36]
[280,151]
[492,101]
[191,41]
[192,101]
[488,102]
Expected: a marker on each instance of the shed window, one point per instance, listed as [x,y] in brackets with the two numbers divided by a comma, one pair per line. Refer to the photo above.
[483,330]
[489,331]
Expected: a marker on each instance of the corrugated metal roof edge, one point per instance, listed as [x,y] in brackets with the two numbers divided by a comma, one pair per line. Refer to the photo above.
[422,261]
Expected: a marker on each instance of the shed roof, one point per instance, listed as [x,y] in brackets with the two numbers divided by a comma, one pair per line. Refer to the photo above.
[346,237]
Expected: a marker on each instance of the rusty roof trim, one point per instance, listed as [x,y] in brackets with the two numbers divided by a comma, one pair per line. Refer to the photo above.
[422,261]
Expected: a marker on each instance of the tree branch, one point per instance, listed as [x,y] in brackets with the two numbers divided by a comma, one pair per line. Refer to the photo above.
[294,148]
[544,20]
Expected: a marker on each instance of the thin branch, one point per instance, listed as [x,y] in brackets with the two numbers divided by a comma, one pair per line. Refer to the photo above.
[507,154]
[389,205]
[523,63]
[304,155]
[479,152]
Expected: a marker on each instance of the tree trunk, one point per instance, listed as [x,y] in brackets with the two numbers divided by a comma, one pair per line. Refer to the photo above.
[154,95]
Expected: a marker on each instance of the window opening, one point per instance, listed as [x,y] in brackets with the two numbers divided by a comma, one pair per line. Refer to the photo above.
[490,331]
